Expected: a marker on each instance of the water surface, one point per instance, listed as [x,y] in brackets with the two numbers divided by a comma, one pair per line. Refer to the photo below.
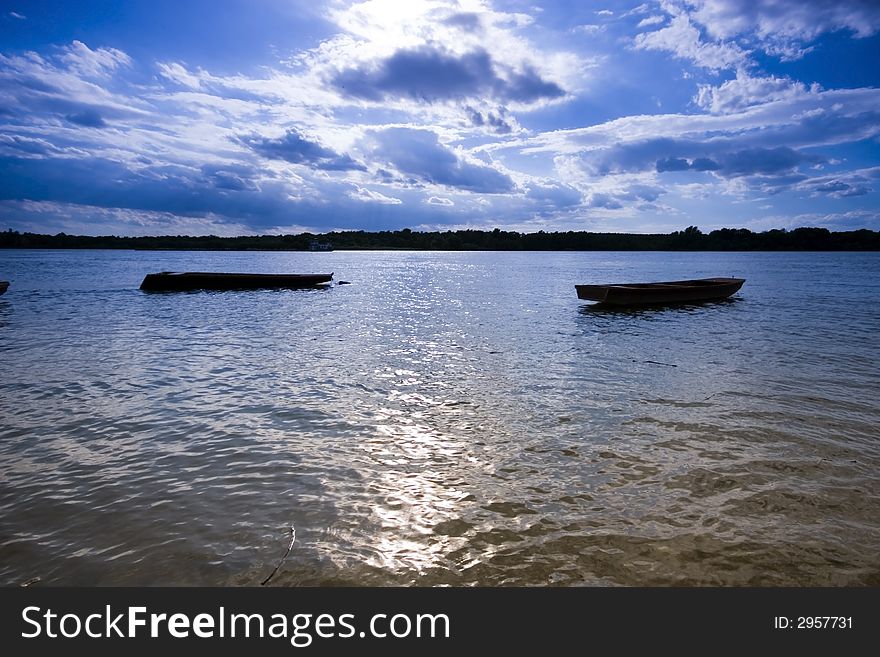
[445,419]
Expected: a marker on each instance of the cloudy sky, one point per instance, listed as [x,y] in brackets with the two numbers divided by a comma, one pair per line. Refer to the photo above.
[239,117]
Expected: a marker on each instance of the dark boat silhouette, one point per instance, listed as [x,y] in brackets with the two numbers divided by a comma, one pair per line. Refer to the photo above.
[633,294]
[4,285]
[198,280]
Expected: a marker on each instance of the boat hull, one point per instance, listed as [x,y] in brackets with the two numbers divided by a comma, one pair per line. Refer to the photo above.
[666,292]
[181,281]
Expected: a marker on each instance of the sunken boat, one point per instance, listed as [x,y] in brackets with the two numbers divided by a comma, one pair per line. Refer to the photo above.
[169,281]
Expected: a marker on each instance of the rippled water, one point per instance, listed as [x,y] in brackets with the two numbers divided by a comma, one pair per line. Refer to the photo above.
[447,418]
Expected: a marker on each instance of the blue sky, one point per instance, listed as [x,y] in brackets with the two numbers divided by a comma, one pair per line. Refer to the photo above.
[233,117]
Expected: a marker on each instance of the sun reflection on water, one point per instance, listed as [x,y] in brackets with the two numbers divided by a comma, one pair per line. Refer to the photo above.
[416,456]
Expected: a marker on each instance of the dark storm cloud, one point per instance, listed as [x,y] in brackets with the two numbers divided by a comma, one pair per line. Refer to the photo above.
[528,87]
[424,74]
[495,121]
[223,192]
[419,153]
[230,176]
[89,118]
[429,74]
[725,157]
[633,156]
[842,190]
[295,148]
[673,164]
[836,188]
[747,162]
[465,20]
[704,164]
[557,195]
[601,200]
[767,161]
[106,183]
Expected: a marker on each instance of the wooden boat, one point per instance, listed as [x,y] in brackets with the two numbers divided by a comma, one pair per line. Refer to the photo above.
[198,280]
[4,285]
[629,294]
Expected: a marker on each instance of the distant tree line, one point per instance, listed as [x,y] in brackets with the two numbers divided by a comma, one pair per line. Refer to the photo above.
[690,239]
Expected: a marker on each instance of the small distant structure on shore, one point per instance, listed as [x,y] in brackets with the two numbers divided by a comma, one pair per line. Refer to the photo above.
[317,245]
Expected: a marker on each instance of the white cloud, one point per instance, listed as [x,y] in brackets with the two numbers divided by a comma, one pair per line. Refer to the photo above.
[782,28]
[437,200]
[745,91]
[177,73]
[93,63]
[844,113]
[682,39]
[370,196]
[786,19]
[589,28]
[76,83]
[637,11]
[651,20]
[14,145]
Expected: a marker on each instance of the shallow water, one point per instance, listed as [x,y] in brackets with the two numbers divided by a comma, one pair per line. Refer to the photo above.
[447,418]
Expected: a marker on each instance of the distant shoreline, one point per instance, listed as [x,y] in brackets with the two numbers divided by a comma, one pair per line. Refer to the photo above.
[691,239]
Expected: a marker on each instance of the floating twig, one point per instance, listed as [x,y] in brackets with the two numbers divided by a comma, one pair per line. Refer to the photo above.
[289,548]
[654,362]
